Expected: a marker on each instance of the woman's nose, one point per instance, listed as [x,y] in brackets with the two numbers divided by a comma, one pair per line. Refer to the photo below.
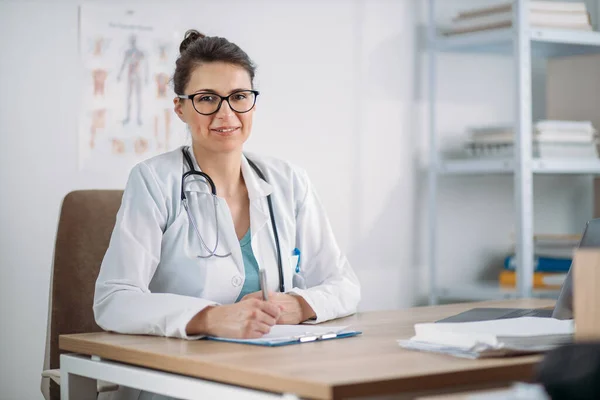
[225,110]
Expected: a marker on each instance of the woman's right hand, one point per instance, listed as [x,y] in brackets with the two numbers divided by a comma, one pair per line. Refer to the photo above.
[250,319]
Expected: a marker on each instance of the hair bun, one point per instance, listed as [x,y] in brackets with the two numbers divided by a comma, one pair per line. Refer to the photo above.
[191,35]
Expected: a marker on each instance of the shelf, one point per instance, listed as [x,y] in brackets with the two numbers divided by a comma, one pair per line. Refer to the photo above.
[545,42]
[475,166]
[558,166]
[488,291]
[506,166]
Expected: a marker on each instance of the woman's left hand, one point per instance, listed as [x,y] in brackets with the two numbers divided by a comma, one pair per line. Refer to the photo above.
[294,309]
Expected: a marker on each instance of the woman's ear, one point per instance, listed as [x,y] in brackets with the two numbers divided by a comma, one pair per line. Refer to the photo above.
[178,108]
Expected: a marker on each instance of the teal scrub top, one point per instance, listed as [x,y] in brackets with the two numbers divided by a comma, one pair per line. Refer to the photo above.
[251,283]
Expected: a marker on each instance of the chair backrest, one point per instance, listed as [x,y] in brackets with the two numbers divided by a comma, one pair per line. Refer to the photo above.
[87,218]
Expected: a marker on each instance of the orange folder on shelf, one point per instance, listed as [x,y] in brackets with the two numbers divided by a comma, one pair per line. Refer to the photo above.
[541,280]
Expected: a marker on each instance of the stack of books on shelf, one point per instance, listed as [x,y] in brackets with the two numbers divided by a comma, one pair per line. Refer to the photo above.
[553,255]
[550,139]
[542,14]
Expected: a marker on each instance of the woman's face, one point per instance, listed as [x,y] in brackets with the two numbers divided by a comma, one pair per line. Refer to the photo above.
[226,130]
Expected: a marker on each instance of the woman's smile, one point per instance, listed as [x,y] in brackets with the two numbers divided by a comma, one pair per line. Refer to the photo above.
[225,130]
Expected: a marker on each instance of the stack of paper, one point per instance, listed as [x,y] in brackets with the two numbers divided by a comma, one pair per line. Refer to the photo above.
[543,14]
[491,338]
[549,139]
[556,245]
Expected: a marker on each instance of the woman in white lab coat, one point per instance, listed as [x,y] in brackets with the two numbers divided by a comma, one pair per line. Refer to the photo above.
[186,273]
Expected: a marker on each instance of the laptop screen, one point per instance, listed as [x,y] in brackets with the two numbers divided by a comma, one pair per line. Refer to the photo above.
[564,304]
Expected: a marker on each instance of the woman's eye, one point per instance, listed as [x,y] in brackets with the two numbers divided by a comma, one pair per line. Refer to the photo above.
[206,98]
[239,96]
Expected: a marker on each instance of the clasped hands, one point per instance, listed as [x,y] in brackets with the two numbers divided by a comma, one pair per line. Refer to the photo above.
[252,317]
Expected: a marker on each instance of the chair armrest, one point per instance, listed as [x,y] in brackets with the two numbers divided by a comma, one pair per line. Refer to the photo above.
[53,374]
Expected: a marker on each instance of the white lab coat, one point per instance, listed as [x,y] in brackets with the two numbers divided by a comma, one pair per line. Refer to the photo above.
[151,280]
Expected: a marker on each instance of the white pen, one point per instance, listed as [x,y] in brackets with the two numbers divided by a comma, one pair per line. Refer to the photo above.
[263,284]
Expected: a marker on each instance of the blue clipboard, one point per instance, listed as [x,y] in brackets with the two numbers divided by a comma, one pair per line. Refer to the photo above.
[289,341]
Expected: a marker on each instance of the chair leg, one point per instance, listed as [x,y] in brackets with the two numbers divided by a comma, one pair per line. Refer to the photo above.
[75,387]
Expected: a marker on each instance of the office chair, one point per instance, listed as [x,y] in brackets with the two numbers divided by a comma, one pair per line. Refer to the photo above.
[87,218]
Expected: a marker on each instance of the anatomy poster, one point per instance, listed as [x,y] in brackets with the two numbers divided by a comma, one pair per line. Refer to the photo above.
[126,113]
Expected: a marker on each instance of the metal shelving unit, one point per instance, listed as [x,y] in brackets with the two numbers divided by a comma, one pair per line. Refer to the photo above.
[522,42]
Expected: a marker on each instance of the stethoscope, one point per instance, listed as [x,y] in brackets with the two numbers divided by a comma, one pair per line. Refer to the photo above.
[213,189]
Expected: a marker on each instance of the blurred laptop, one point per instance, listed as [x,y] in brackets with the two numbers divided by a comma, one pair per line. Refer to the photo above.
[564,305]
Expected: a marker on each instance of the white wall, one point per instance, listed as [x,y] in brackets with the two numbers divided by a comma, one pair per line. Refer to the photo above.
[356,124]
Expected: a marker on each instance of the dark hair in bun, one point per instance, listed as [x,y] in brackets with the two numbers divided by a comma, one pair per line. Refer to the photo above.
[188,38]
[197,48]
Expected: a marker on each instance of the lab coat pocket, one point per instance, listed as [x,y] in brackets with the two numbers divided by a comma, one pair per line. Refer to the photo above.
[297,279]
[288,272]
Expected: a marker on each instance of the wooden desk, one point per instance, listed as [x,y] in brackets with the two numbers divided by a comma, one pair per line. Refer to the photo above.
[367,365]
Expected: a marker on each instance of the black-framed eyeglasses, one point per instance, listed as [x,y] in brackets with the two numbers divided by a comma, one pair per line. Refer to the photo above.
[207,103]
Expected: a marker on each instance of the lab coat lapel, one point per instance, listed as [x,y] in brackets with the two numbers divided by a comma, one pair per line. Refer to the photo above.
[258,190]
[263,244]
